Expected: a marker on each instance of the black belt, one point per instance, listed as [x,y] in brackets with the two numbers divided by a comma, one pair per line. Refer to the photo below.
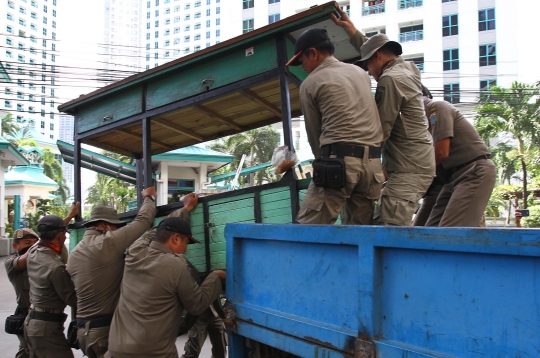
[95,321]
[341,150]
[461,166]
[21,311]
[45,316]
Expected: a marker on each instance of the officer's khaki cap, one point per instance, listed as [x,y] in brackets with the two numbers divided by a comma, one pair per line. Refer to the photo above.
[104,213]
[373,44]
[24,233]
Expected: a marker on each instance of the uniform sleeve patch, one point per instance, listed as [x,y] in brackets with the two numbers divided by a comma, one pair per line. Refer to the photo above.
[433,116]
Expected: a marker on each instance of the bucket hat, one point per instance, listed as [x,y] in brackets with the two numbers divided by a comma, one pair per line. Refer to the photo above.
[373,44]
[104,213]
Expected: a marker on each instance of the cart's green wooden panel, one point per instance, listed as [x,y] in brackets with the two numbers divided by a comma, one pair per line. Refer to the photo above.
[116,106]
[223,70]
[276,206]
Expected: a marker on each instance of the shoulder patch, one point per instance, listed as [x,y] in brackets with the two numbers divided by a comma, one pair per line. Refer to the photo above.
[432,116]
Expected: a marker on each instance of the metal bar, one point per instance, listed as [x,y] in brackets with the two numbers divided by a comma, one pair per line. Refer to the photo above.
[139,182]
[258,208]
[147,151]
[284,91]
[207,223]
[294,79]
[295,198]
[77,177]
[236,86]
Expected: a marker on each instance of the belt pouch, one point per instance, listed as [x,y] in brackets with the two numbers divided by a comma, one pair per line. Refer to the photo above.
[15,324]
[72,334]
[329,173]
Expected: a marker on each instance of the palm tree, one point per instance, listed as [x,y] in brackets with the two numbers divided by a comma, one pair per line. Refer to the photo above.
[53,169]
[21,137]
[257,144]
[512,113]
[9,125]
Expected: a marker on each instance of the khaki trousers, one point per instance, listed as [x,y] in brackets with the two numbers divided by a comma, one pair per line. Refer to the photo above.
[93,342]
[356,200]
[23,348]
[207,324]
[399,198]
[46,339]
[422,215]
[463,200]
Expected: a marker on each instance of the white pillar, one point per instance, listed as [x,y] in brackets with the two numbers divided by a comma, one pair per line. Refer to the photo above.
[203,176]
[163,194]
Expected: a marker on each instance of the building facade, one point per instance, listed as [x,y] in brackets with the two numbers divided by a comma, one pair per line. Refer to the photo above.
[28,54]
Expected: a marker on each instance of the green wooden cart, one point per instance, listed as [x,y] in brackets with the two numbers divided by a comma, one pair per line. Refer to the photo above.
[234,86]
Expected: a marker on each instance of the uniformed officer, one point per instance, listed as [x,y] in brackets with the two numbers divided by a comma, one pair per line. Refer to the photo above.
[51,290]
[156,287]
[341,122]
[96,265]
[408,157]
[464,168]
[15,265]
[211,325]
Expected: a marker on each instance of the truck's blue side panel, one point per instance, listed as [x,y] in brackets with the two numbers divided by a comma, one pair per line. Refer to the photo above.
[415,292]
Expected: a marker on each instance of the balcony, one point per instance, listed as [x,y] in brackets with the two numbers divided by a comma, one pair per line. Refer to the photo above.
[407,4]
[372,10]
[411,36]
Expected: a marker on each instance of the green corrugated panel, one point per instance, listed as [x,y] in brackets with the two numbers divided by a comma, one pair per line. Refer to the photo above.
[75,237]
[302,194]
[218,261]
[196,253]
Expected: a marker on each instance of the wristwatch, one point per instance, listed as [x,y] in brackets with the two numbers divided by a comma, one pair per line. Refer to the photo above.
[151,197]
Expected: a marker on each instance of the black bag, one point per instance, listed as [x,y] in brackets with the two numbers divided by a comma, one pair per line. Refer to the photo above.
[329,173]
[72,334]
[15,325]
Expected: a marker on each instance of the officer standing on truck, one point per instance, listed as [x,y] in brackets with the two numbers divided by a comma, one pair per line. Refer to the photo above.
[156,287]
[464,167]
[344,132]
[408,157]
[96,266]
[51,290]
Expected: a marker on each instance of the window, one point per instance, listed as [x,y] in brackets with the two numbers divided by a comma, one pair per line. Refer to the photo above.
[32,74]
[11,4]
[45,8]
[9,42]
[157,2]
[450,25]
[176,30]
[52,92]
[198,4]
[22,10]
[167,32]
[147,25]
[44,54]
[207,34]
[207,23]
[53,57]
[167,43]
[273,1]
[247,4]
[33,15]
[33,39]
[487,85]
[167,21]
[9,29]
[207,12]
[31,98]
[156,35]
[32,50]
[9,54]
[147,46]
[208,2]
[247,25]
[43,115]
[196,48]
[20,107]
[448,0]
[8,91]
[22,22]
[177,19]
[167,54]
[33,27]
[33,3]
[186,39]
[10,17]
[486,19]
[218,10]
[176,41]
[218,21]
[54,13]
[147,57]
[45,32]
[488,55]
[7,104]
[31,86]
[53,35]
[156,55]
[53,47]
[20,95]
[451,92]
[187,6]
[180,185]
[187,17]
[44,43]
[20,71]
[451,59]
[167,11]
[197,26]
[197,15]
[43,89]
[51,115]
[148,4]
[157,13]
[54,24]
[177,9]
[20,58]
[31,110]
[186,28]
[186,50]
[218,33]
[148,36]
[157,23]
[44,19]
[273,18]
[196,37]
[208,44]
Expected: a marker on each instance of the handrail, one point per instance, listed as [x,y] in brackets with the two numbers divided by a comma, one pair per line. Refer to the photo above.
[417,35]
[374,9]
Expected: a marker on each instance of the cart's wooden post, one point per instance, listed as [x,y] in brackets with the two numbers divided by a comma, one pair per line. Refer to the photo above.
[77,195]
[147,151]
[140,186]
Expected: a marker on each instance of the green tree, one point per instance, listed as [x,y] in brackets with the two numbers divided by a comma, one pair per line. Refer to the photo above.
[9,125]
[21,137]
[257,144]
[53,169]
[512,114]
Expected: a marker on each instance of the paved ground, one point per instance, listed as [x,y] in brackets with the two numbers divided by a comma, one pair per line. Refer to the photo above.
[9,343]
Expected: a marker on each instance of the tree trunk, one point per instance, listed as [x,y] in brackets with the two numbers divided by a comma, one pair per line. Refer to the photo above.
[524,170]
[251,163]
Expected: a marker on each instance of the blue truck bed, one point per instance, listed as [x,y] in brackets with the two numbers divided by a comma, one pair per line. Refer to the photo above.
[346,291]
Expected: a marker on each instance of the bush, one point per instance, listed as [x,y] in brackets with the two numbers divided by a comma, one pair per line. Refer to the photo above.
[533,220]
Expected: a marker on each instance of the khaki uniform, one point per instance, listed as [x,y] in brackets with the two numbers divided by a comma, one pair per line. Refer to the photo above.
[156,287]
[471,176]
[50,289]
[19,279]
[408,156]
[208,324]
[96,266]
[338,107]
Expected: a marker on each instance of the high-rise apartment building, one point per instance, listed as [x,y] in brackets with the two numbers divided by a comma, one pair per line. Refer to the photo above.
[29,50]
[121,47]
